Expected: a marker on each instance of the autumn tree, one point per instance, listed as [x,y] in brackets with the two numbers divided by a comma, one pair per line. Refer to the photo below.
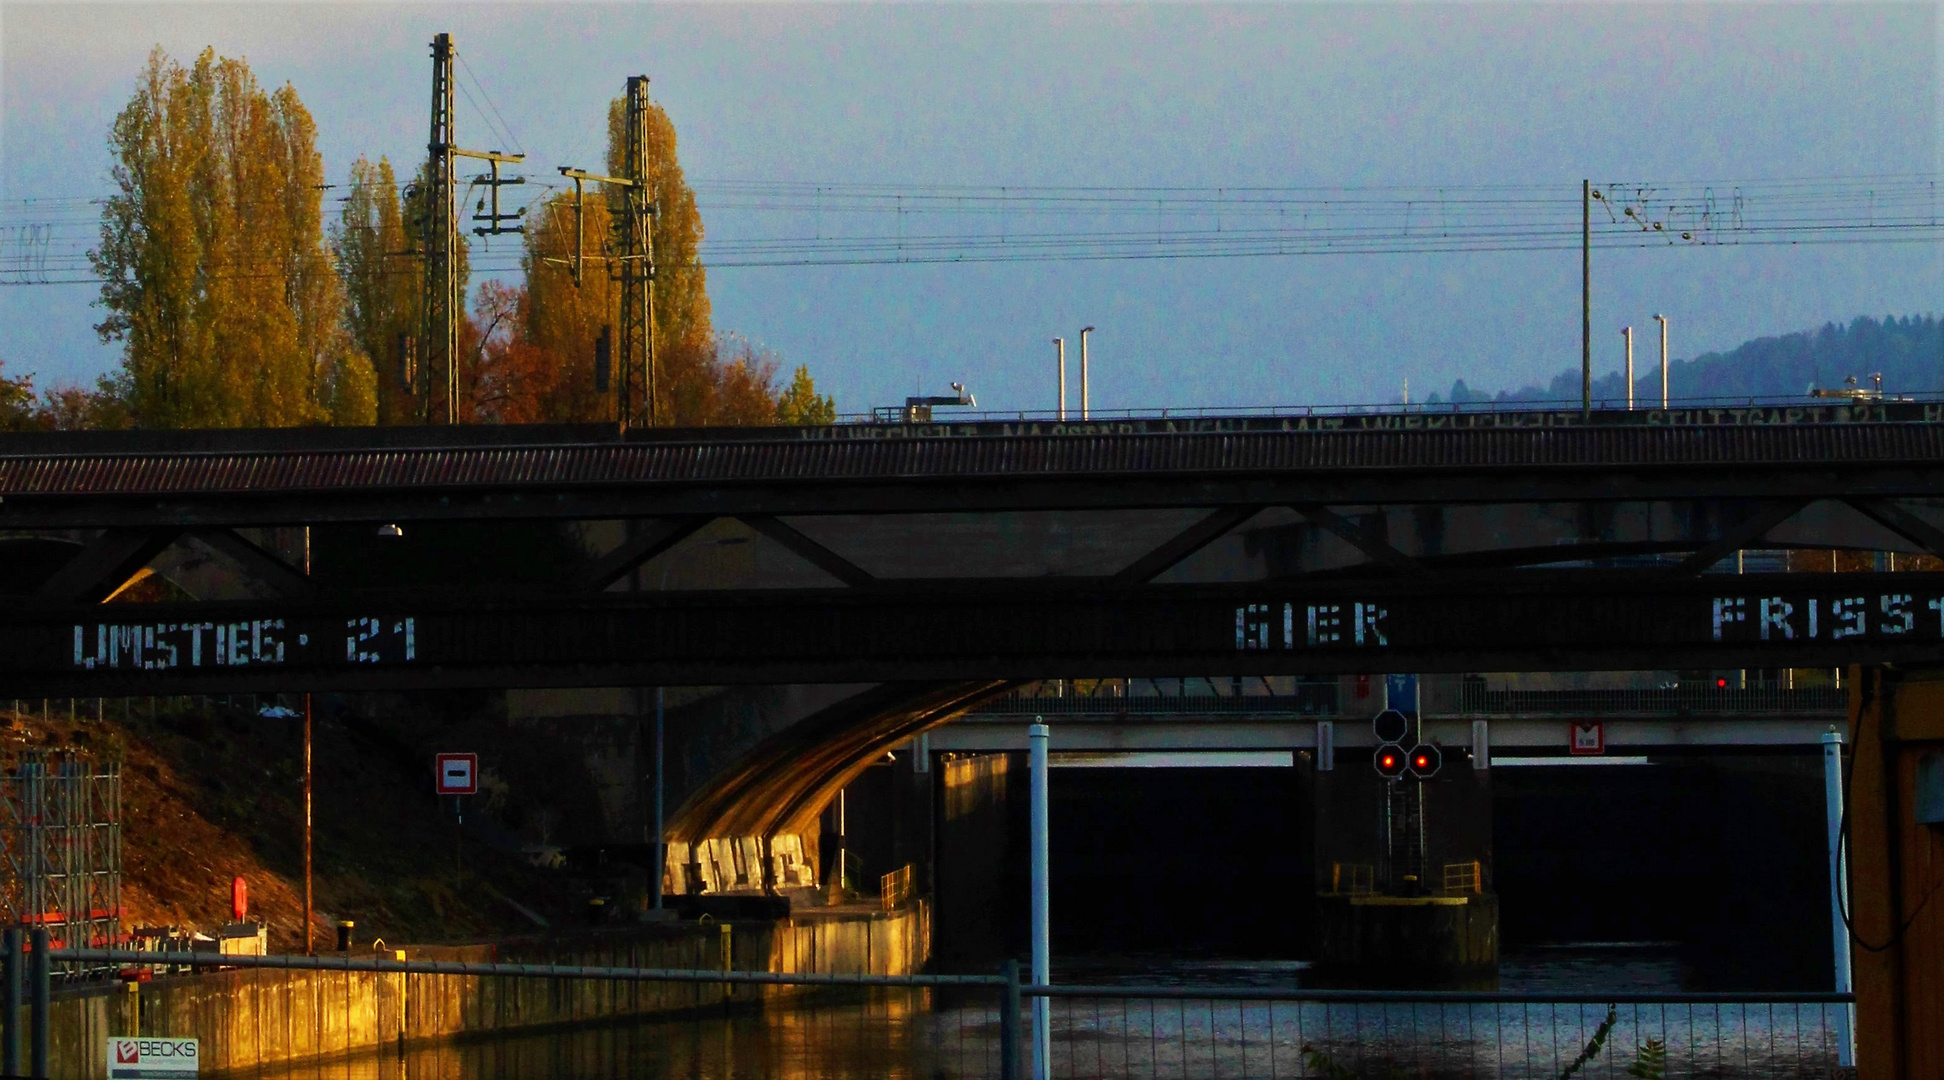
[17,411]
[381,277]
[544,361]
[214,271]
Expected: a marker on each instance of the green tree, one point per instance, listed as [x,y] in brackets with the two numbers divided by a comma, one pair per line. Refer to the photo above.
[17,411]
[800,404]
[214,271]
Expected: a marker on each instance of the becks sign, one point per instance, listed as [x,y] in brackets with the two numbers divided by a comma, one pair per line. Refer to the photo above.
[139,1059]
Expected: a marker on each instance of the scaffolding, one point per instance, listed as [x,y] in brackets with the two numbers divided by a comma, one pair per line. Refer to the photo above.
[61,848]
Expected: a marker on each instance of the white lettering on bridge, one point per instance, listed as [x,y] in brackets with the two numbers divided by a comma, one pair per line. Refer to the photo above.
[1289,626]
[166,646]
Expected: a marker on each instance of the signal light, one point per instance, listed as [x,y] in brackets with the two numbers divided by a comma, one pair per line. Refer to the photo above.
[1391,726]
[1425,761]
[1390,761]
[1721,683]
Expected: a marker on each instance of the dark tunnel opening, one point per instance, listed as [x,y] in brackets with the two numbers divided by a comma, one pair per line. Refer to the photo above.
[1723,857]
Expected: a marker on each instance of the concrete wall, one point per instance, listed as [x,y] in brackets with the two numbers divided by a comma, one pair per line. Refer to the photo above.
[246,1019]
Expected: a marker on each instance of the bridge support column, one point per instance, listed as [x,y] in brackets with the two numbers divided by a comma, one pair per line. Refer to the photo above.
[1373,924]
[1896,866]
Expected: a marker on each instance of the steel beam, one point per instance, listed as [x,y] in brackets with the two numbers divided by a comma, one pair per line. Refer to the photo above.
[105,565]
[1565,620]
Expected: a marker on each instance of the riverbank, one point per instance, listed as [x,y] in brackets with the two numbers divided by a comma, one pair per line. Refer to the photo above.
[249,1020]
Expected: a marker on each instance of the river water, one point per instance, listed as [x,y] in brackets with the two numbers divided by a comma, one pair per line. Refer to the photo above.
[937,1035]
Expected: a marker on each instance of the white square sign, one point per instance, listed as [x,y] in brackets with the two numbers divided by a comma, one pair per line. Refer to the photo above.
[458,774]
[1589,738]
[139,1059]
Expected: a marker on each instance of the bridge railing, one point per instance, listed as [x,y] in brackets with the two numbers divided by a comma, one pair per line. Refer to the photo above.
[1135,699]
[1609,410]
[1116,698]
[1687,699]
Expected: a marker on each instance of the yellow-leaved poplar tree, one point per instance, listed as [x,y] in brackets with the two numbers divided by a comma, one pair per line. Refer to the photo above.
[214,270]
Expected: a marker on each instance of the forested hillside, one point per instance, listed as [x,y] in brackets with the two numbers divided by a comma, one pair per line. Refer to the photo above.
[1909,352]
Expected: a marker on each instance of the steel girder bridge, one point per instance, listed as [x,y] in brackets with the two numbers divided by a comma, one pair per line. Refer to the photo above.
[993,551]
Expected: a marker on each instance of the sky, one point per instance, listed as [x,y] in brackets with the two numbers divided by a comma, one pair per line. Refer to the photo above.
[1105,98]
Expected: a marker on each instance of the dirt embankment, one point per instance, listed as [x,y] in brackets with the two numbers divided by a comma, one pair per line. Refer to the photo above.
[215,792]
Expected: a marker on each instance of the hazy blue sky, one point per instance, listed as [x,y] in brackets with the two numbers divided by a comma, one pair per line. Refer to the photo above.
[1188,95]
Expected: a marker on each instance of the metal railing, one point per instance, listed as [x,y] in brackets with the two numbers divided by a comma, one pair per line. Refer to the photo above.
[1474,699]
[1612,411]
[971,1026]
[1321,700]
[1317,699]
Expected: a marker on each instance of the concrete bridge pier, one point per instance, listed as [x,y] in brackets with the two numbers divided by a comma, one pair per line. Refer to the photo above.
[1404,887]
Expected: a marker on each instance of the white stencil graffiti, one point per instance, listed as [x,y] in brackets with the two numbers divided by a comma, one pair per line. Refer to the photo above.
[1320,625]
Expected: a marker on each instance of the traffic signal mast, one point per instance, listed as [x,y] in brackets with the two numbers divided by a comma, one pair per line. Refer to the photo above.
[1403,824]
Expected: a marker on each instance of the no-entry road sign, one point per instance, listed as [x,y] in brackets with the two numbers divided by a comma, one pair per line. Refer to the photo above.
[458,774]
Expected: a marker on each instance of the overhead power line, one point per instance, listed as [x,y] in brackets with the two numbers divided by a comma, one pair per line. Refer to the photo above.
[757,223]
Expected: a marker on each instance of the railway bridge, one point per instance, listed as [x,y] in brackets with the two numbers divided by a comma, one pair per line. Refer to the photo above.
[898,574]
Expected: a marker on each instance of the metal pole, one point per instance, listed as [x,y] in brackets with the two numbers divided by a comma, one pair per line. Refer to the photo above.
[1036,736]
[1009,1021]
[1059,353]
[1586,298]
[10,975]
[1838,891]
[43,971]
[660,850]
[1627,332]
[310,945]
[1662,319]
[1085,405]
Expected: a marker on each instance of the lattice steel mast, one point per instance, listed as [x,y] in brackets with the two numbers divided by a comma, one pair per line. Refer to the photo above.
[438,328]
[441,303]
[632,208]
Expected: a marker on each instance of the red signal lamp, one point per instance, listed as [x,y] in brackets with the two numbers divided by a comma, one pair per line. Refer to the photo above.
[1390,761]
[1425,760]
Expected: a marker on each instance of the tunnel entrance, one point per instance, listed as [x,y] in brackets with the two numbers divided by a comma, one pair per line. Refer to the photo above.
[1720,857]
[1174,857]
[1167,857]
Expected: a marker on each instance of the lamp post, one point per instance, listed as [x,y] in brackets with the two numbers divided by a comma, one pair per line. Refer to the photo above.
[1662,320]
[1059,359]
[1085,409]
[1627,332]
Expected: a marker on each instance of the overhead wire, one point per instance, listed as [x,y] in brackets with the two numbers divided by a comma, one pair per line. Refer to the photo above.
[1107,222]
[505,130]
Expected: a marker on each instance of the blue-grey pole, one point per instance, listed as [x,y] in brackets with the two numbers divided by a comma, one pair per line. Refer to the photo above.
[1009,1022]
[43,996]
[10,1038]
[661,851]
[1838,891]
[1042,938]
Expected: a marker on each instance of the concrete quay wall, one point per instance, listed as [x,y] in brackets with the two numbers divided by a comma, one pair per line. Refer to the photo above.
[244,1019]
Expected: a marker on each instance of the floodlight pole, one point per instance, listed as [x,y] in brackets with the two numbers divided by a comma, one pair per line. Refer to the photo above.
[1627,332]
